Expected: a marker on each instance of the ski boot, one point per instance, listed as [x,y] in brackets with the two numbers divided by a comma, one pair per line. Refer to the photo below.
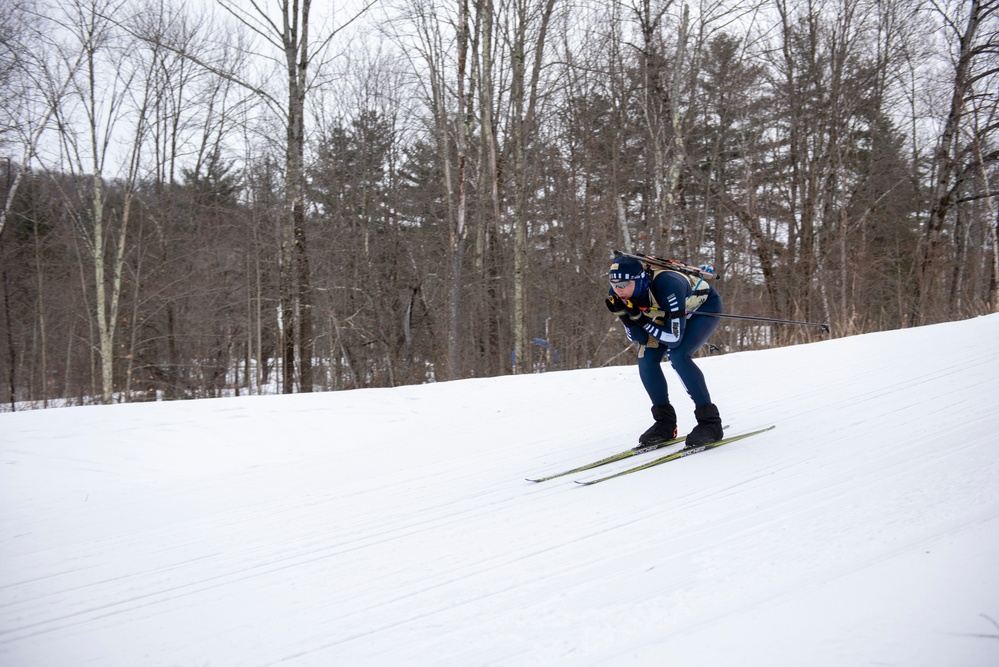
[708,429]
[662,431]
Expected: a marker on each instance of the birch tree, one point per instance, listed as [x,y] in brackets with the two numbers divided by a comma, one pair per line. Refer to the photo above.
[112,97]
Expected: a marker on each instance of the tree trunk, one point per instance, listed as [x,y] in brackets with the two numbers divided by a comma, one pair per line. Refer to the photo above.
[945,166]
[298,307]
[523,106]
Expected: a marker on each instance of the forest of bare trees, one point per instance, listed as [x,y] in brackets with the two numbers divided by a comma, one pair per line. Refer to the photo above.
[237,197]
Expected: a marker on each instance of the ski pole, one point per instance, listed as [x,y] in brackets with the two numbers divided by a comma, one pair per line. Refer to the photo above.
[823,327]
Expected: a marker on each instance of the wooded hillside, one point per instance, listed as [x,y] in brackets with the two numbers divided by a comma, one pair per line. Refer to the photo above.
[208,200]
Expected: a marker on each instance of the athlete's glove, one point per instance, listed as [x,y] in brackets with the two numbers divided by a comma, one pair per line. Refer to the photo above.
[639,318]
[616,305]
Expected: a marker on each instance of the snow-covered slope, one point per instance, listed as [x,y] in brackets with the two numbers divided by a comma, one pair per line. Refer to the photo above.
[395,527]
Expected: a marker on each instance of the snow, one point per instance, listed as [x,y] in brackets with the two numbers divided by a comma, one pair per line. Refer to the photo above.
[395,526]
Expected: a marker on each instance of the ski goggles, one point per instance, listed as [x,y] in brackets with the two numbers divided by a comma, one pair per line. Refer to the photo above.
[620,284]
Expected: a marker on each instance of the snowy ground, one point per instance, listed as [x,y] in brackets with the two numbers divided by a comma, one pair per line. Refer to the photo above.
[395,527]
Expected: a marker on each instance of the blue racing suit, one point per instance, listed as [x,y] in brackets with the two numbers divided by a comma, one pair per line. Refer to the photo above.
[671,332]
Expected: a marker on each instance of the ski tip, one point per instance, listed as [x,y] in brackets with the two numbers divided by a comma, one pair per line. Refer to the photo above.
[762,429]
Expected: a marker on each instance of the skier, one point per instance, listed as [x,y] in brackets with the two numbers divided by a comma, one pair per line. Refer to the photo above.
[656,312]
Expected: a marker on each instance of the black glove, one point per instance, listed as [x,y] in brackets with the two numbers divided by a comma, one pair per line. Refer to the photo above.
[616,305]
[622,308]
[636,314]
[639,318]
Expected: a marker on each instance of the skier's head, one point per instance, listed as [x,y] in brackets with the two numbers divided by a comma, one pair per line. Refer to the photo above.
[628,277]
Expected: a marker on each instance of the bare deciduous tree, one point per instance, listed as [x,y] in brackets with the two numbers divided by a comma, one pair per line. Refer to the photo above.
[974,58]
[114,95]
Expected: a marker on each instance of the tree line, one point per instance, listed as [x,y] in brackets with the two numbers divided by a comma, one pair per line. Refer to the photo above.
[239,198]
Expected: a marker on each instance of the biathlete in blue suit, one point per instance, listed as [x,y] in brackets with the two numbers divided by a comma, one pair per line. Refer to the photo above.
[658,310]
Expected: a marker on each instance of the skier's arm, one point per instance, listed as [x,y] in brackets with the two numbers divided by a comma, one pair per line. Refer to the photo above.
[671,294]
[632,329]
